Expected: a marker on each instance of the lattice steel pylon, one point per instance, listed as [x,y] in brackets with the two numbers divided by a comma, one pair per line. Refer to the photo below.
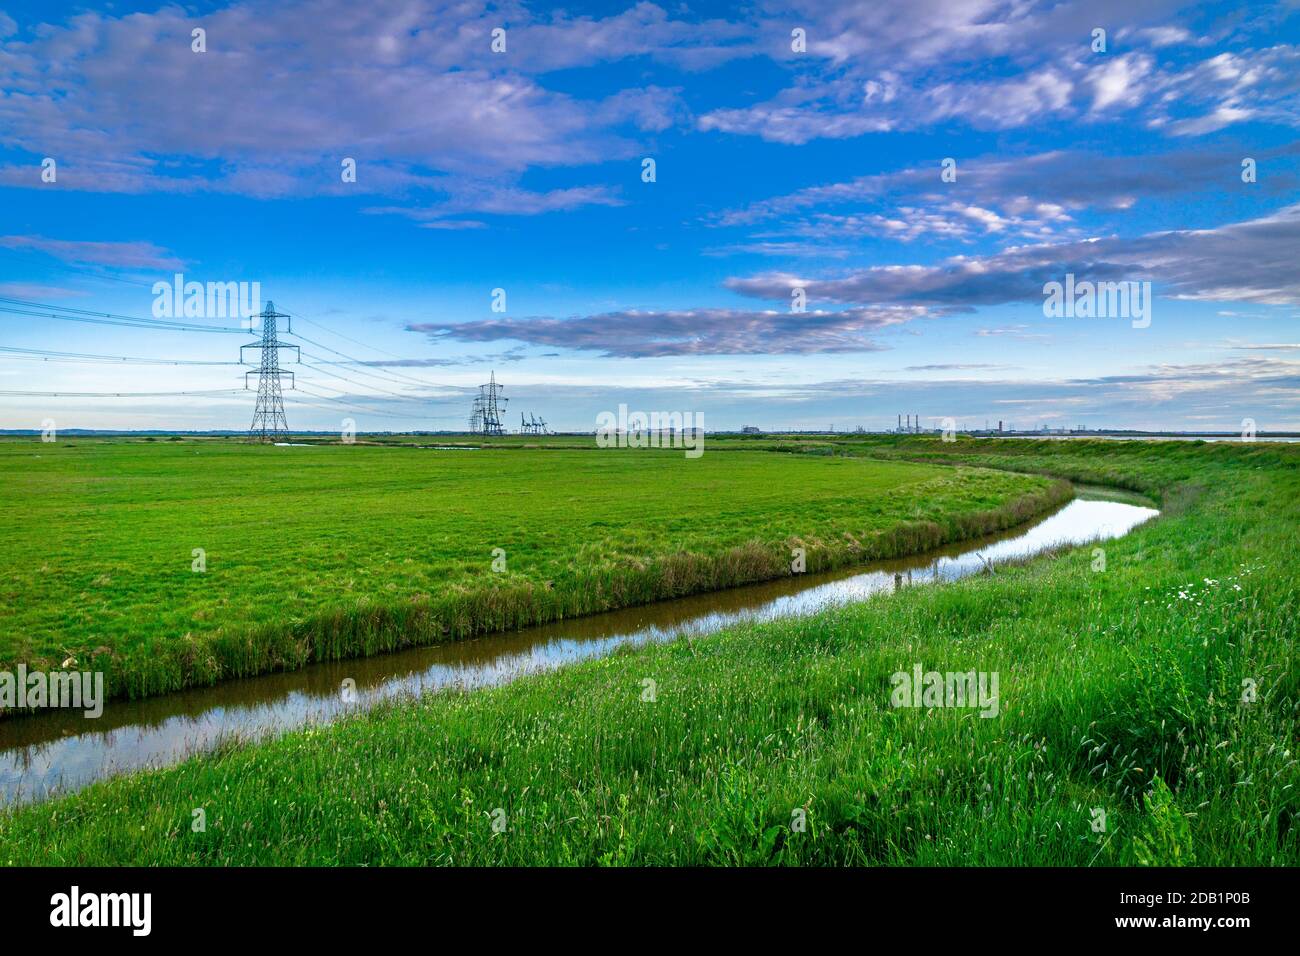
[269,422]
[489,404]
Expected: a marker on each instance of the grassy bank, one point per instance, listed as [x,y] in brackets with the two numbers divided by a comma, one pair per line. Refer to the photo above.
[1121,693]
[323,553]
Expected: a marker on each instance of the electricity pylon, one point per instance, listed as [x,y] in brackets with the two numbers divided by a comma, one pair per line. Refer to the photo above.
[269,422]
[485,417]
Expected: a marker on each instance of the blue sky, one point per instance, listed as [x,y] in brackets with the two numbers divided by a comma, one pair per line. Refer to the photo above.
[775,168]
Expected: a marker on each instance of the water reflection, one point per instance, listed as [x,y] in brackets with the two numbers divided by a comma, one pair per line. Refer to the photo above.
[61,750]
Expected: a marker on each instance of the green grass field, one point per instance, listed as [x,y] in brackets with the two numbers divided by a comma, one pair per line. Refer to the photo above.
[319,553]
[1121,693]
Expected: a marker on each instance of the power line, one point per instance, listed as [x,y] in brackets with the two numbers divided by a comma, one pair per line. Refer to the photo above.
[91,312]
[48,355]
[346,404]
[219,391]
[395,376]
[364,408]
[109,318]
[353,364]
[326,328]
[70,314]
[26,307]
[348,338]
[344,378]
[362,362]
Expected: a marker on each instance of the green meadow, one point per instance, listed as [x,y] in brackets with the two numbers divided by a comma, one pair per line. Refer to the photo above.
[1148,715]
[170,564]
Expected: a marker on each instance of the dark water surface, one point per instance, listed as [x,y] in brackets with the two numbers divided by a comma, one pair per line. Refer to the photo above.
[61,750]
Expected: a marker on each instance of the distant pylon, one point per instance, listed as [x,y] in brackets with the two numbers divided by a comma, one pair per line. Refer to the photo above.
[269,422]
[485,416]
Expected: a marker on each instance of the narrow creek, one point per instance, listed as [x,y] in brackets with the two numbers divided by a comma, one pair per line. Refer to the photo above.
[61,751]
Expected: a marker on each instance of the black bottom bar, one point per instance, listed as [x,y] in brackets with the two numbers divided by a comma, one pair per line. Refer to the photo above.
[944,906]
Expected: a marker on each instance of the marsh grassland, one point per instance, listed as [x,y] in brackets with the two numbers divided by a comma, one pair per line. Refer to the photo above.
[175,564]
[1122,691]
